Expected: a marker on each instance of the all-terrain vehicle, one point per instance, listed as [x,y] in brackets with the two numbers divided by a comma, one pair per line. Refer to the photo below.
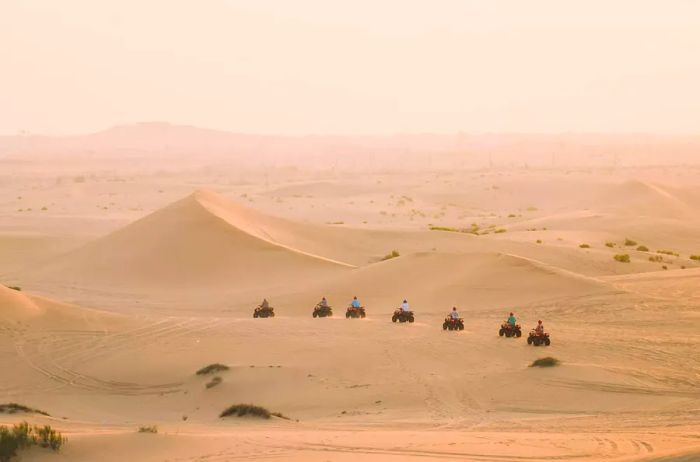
[402,316]
[510,330]
[353,312]
[321,311]
[538,339]
[264,312]
[453,323]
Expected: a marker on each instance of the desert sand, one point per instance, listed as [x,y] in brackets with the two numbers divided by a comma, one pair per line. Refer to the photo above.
[141,252]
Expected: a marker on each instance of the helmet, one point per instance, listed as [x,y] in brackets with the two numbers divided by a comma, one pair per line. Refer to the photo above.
[539,322]
[405,301]
[511,314]
[354,298]
[454,308]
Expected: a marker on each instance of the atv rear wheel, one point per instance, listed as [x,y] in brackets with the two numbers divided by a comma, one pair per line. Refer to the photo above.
[460,326]
[529,340]
[315,314]
[518,333]
[444,326]
[501,333]
[393,319]
[255,315]
[411,319]
[547,341]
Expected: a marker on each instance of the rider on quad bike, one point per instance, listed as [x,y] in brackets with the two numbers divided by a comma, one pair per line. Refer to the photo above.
[264,310]
[322,309]
[403,314]
[538,336]
[510,328]
[453,321]
[355,310]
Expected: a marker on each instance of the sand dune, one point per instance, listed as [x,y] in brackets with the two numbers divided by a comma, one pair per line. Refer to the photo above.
[641,198]
[202,240]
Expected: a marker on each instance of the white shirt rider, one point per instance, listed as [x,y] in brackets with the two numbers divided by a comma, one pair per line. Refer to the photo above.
[454,314]
[404,306]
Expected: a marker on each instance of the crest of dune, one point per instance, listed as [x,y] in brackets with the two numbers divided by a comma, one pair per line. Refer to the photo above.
[202,240]
[17,306]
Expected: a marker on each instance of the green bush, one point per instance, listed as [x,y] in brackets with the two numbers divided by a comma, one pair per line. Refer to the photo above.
[23,436]
[656,258]
[212,368]
[389,256]
[499,231]
[643,248]
[246,410]
[667,252]
[539,241]
[585,246]
[622,258]
[610,244]
[630,242]
[13,408]
[17,288]
[148,429]
[695,257]
[545,362]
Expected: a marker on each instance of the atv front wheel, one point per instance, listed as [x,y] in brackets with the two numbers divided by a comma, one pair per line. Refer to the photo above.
[444,326]
[460,327]
[411,319]
[529,340]
[315,314]
[547,341]
[393,319]
[518,333]
[501,333]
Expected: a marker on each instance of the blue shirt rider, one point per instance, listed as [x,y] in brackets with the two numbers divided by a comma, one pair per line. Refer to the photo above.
[355,303]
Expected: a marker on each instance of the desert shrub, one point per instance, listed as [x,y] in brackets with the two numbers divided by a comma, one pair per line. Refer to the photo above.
[585,246]
[23,436]
[545,362]
[245,410]
[643,248]
[667,252]
[280,415]
[664,267]
[656,258]
[630,242]
[695,257]
[17,288]
[443,228]
[212,368]
[392,254]
[214,382]
[47,437]
[500,230]
[13,408]
[539,241]
[622,258]
[148,429]
[511,215]
[610,244]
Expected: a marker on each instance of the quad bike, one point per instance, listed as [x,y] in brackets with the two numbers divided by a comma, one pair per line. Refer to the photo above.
[353,312]
[538,339]
[402,316]
[453,323]
[321,311]
[510,330]
[264,312]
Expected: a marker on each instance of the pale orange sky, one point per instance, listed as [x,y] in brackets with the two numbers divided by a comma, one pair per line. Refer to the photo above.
[361,66]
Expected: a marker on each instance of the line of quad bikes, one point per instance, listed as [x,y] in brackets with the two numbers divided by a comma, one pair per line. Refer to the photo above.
[399,315]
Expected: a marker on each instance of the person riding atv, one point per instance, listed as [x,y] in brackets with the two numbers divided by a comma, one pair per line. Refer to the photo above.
[355,310]
[538,336]
[453,321]
[403,313]
[510,328]
[322,309]
[264,310]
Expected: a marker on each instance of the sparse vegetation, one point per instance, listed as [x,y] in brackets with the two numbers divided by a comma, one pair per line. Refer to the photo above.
[17,288]
[246,410]
[539,241]
[23,436]
[695,257]
[392,254]
[499,231]
[14,408]
[610,244]
[667,252]
[212,369]
[545,362]
[584,246]
[656,258]
[148,429]
[643,248]
[622,258]
[630,242]
[214,382]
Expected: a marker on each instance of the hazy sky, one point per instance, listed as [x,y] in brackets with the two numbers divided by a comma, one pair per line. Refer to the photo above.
[351,66]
